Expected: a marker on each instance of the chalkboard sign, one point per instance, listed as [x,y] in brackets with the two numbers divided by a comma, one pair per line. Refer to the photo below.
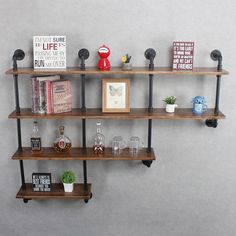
[41,182]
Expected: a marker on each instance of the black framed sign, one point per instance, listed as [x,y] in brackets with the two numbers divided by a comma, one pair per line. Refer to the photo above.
[41,182]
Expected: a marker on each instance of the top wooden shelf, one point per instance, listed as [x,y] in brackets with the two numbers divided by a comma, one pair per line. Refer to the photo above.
[118,70]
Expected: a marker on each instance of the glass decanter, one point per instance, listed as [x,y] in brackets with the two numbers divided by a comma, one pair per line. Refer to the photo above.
[99,140]
[62,143]
[35,139]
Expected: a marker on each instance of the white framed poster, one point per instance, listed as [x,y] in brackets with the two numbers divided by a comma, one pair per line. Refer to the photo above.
[49,52]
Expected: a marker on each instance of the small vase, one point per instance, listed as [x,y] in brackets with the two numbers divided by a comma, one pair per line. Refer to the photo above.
[127,66]
[170,108]
[68,188]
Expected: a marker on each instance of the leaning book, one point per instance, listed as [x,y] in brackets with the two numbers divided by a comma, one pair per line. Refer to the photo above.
[49,52]
[42,93]
[61,96]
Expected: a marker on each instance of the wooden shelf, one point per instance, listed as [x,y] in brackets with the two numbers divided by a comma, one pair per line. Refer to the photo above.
[118,70]
[135,113]
[48,153]
[56,193]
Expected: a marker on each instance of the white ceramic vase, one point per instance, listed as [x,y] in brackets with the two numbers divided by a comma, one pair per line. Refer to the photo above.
[68,188]
[170,108]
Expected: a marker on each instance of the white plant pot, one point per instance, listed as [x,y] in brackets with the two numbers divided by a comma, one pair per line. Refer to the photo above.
[170,108]
[68,187]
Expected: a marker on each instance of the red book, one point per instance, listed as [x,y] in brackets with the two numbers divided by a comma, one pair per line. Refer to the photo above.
[45,97]
[62,96]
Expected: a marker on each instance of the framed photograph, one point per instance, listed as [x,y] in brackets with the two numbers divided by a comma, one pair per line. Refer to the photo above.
[115,95]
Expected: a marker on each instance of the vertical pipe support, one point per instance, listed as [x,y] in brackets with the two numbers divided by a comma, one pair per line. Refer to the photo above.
[216,56]
[83,54]
[150,55]
[18,55]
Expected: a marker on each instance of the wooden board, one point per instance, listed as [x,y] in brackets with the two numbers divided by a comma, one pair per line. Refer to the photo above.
[56,193]
[118,70]
[135,113]
[48,153]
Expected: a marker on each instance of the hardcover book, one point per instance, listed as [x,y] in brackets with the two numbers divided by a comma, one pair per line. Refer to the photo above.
[49,52]
[42,93]
[183,55]
[62,96]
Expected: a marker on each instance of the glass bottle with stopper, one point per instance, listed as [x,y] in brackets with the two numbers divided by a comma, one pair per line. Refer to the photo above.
[99,140]
[35,139]
[62,143]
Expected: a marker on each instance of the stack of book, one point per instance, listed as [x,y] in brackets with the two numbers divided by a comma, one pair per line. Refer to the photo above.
[50,95]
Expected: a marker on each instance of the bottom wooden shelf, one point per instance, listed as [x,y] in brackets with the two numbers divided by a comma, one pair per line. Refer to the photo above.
[56,193]
[48,153]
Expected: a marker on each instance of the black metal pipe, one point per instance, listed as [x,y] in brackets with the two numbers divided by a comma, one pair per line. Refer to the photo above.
[17,103]
[83,55]
[83,107]
[84,133]
[85,175]
[22,173]
[150,105]
[217,56]
[149,135]
[217,94]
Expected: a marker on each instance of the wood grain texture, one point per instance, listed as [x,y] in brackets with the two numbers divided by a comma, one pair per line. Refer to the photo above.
[118,71]
[135,113]
[48,153]
[56,193]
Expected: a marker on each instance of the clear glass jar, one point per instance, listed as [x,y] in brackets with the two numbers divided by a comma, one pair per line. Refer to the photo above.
[62,143]
[99,140]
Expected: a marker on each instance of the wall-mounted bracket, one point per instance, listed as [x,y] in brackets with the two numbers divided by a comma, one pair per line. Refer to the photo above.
[147,163]
[212,123]
[25,200]
[17,56]
[86,200]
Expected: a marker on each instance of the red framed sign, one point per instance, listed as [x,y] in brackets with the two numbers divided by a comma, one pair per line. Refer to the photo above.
[183,55]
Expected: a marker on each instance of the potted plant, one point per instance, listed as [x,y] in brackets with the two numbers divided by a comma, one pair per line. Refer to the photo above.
[126,62]
[68,179]
[170,104]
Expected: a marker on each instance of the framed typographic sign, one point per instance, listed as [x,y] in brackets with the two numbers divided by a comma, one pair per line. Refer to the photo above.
[41,182]
[49,52]
[183,55]
[115,95]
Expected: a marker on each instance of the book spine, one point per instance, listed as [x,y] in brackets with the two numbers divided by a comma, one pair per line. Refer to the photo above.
[35,95]
[41,99]
[48,86]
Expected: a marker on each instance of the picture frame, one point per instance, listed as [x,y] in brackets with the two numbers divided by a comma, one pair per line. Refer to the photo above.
[115,95]
[41,182]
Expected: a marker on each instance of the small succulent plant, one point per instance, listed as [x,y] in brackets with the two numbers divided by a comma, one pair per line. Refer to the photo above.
[170,100]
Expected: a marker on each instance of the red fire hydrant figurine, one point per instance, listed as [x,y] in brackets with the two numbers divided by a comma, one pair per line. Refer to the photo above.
[103,63]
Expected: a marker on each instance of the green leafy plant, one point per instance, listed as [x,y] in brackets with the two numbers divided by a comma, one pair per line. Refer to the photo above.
[170,100]
[68,177]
